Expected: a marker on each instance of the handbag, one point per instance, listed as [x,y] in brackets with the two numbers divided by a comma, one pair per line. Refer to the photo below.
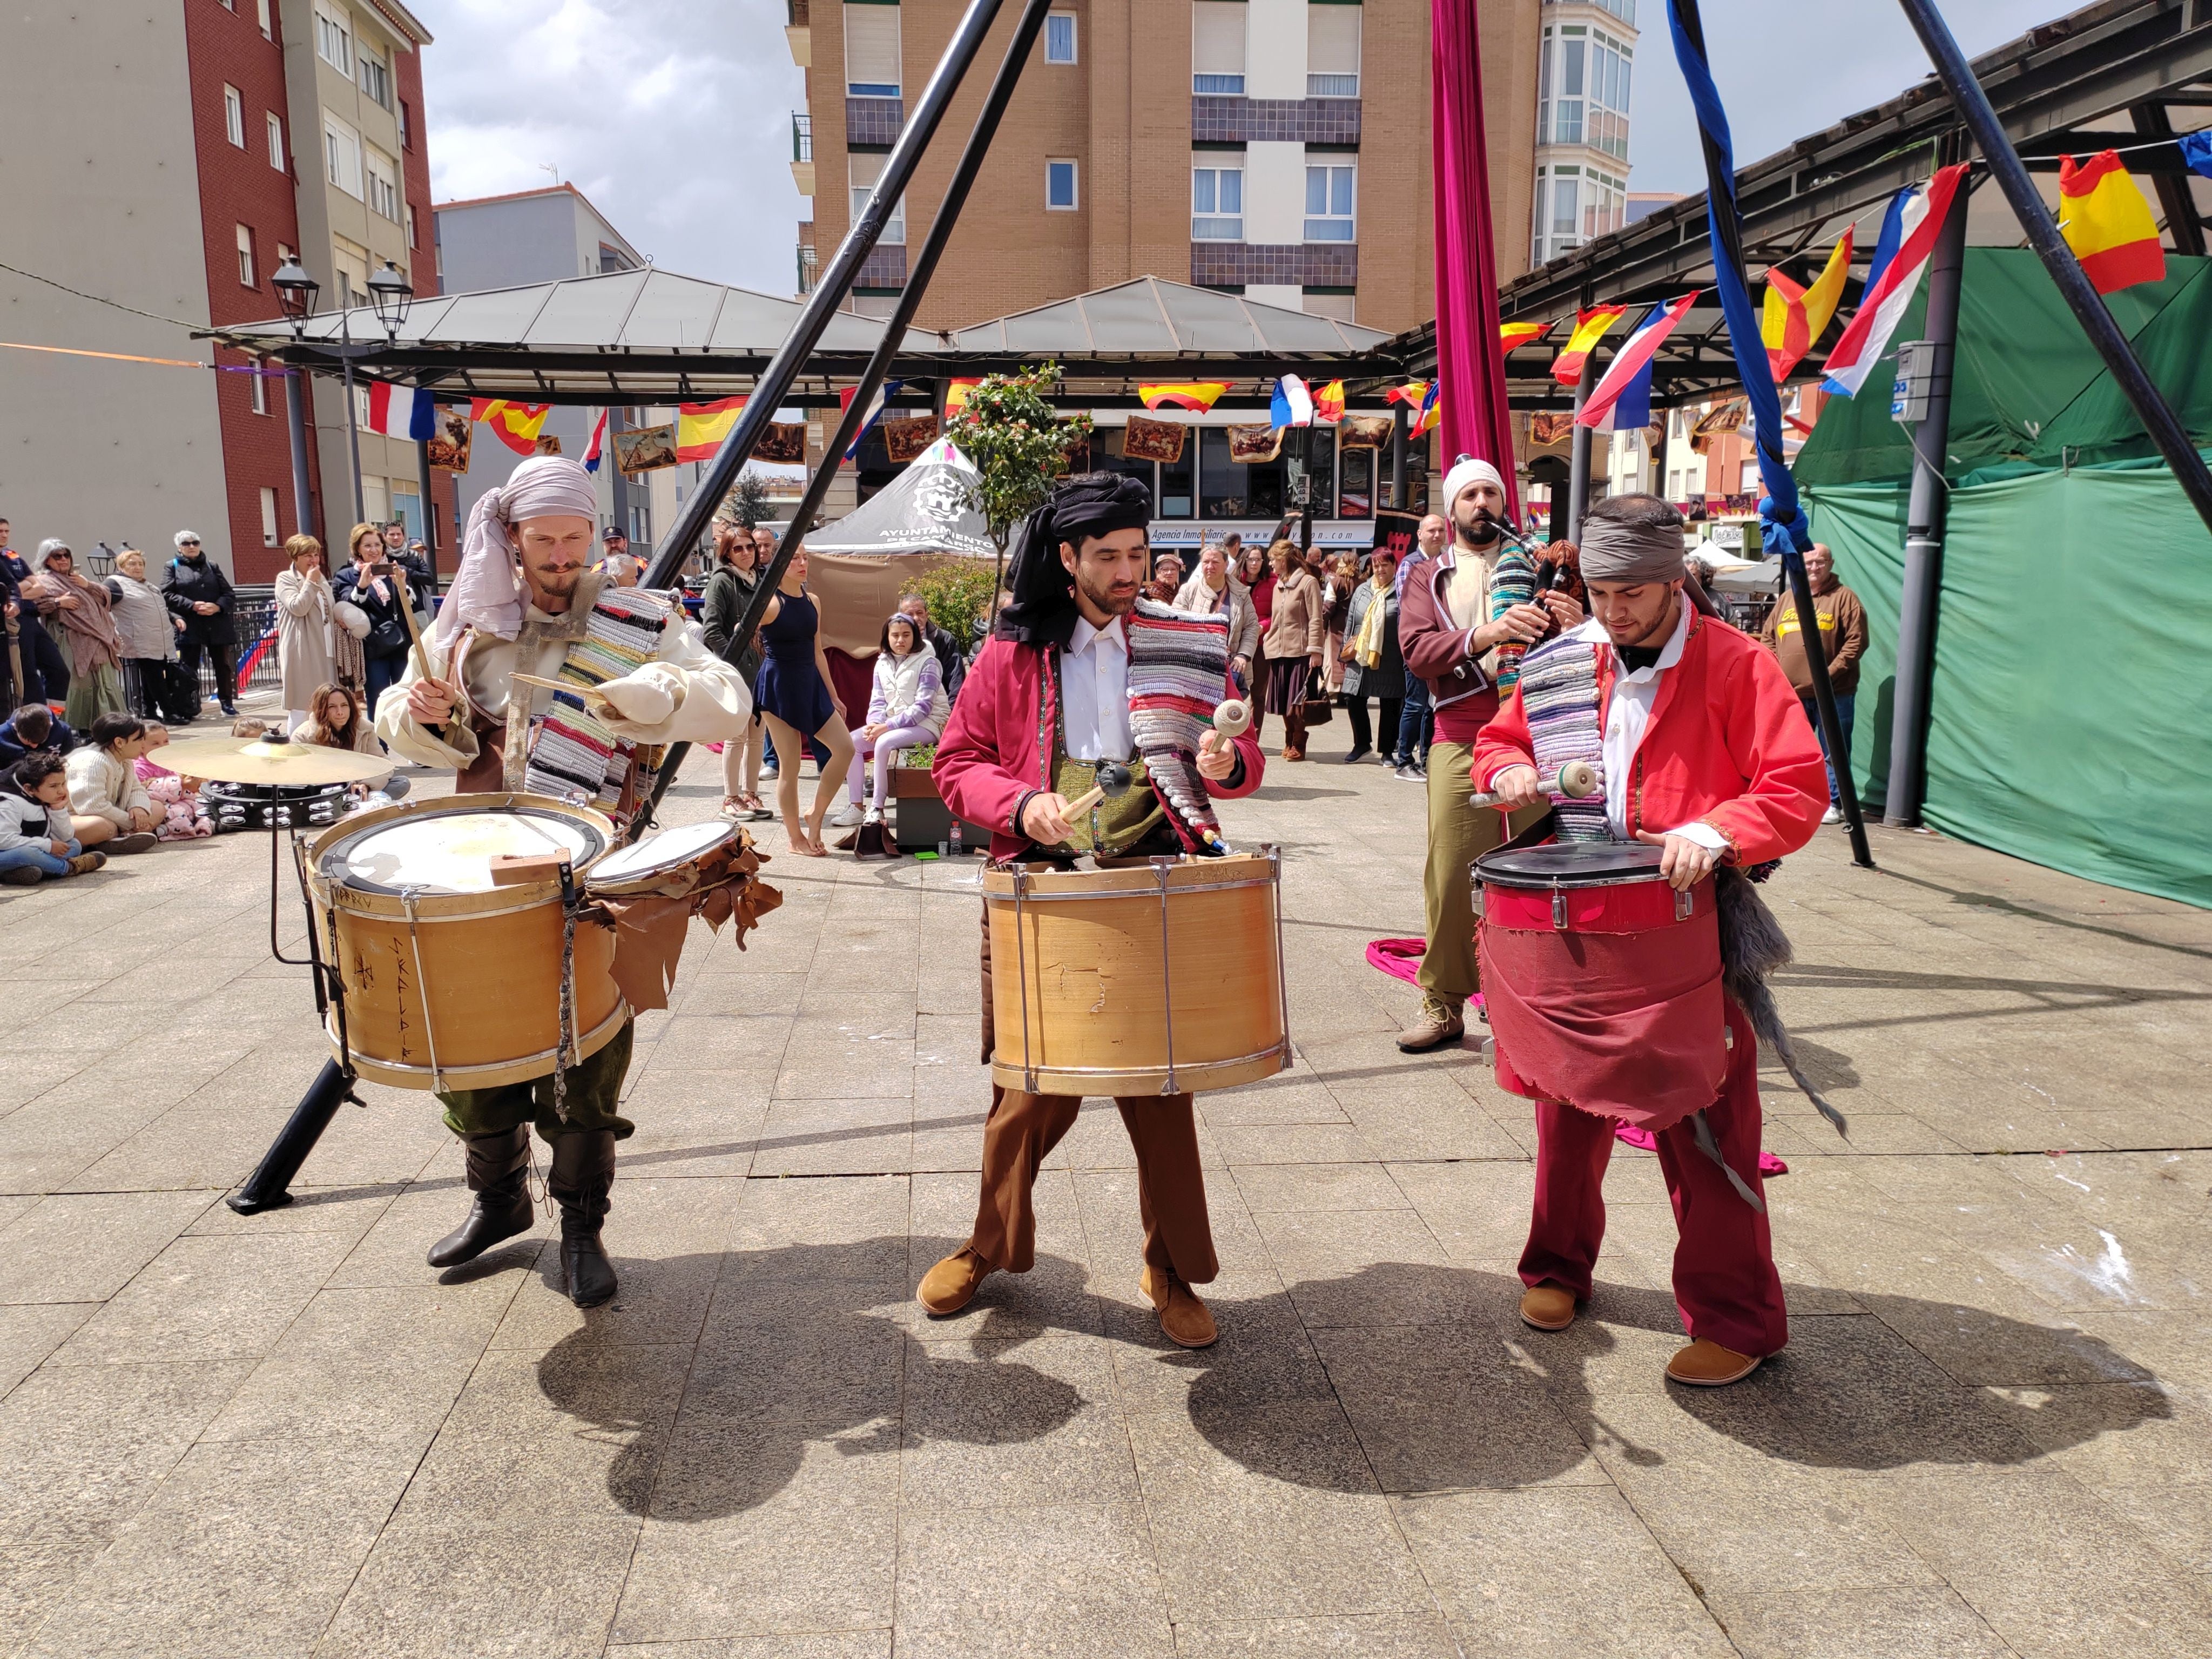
[1318,707]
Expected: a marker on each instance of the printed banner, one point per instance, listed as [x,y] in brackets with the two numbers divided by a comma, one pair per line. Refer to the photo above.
[449,439]
[1365,431]
[1154,440]
[784,443]
[905,437]
[646,450]
[1249,446]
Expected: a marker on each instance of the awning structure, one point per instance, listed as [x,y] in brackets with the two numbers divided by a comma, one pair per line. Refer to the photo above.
[927,509]
[652,337]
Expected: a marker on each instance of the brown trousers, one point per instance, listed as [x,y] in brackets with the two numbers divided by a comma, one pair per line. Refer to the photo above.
[1023,1128]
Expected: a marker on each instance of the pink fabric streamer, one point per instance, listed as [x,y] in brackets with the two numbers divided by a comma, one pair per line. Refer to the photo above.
[1769,1164]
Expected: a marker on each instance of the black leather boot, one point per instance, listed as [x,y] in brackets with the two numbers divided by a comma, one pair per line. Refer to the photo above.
[499,1175]
[583,1176]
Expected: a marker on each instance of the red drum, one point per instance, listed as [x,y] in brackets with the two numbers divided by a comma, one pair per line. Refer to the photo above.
[1601,983]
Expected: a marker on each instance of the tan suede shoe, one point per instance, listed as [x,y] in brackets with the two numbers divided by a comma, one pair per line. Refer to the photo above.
[1547,1307]
[952,1285]
[1184,1317]
[1705,1364]
[1433,1027]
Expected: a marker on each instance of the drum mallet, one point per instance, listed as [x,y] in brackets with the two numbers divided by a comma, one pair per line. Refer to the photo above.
[1114,780]
[1232,718]
[1575,780]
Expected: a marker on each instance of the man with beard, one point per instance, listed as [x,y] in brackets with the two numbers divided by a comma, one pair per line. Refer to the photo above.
[1048,697]
[1452,619]
[524,601]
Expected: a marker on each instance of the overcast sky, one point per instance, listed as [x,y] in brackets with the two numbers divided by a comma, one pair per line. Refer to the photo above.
[673,116]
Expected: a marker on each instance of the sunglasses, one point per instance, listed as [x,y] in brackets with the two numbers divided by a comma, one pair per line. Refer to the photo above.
[187,544]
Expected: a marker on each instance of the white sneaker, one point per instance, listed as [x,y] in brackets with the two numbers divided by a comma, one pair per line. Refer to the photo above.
[875,815]
[845,816]
[1834,815]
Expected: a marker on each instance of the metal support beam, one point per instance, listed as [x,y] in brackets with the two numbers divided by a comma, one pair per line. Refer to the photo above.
[1579,473]
[429,507]
[2182,219]
[1398,431]
[295,417]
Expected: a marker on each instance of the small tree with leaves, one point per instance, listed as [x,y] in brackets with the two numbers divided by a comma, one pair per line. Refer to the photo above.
[1018,444]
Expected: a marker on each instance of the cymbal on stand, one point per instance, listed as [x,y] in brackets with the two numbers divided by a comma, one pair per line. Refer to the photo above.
[270,761]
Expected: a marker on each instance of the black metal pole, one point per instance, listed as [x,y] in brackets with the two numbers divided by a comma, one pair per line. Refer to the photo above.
[2089,306]
[1398,433]
[768,393]
[1923,532]
[295,415]
[919,272]
[269,1186]
[423,477]
[1578,452]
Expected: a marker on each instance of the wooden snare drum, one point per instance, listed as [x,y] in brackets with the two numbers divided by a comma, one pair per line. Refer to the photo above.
[1155,978]
[449,981]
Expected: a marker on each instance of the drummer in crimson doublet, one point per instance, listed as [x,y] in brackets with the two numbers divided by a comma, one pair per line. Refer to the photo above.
[1704,751]
[524,601]
[1074,661]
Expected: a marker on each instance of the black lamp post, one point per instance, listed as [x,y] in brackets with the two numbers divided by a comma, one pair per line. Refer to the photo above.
[389,293]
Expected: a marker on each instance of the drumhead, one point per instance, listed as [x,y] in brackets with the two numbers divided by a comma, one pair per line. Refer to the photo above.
[668,850]
[451,851]
[1570,864]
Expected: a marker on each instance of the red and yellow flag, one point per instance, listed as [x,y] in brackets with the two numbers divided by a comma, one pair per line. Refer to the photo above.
[957,393]
[515,425]
[1422,402]
[1182,394]
[2105,221]
[1510,335]
[1590,327]
[1328,404]
[1793,317]
[700,428]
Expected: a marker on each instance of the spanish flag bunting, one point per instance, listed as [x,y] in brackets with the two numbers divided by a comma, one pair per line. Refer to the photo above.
[1795,318]
[1590,327]
[1510,335]
[1195,395]
[700,428]
[1409,394]
[515,425]
[1328,404]
[2107,223]
[957,393]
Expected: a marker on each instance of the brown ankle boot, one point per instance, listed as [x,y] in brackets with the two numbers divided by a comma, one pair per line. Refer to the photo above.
[952,1285]
[1184,1320]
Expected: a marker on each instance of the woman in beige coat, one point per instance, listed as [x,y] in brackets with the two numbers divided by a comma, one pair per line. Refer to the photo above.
[304,613]
[1296,634]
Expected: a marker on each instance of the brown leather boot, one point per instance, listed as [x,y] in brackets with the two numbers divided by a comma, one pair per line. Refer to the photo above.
[952,1285]
[1294,737]
[1547,1307]
[1183,1318]
[1706,1364]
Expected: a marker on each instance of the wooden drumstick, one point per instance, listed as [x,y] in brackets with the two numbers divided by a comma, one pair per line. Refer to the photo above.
[1114,779]
[587,692]
[1232,718]
[1575,780]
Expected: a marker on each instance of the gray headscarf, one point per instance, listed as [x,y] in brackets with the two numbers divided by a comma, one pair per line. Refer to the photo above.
[1613,550]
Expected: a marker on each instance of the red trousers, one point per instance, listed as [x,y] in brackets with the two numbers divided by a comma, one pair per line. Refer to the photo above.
[1725,1285]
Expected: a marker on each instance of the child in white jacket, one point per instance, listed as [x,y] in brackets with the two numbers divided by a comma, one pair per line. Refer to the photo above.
[36,840]
[906,707]
[112,809]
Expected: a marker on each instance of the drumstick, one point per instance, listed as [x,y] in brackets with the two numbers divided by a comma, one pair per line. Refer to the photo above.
[1113,779]
[573,689]
[1575,780]
[1232,718]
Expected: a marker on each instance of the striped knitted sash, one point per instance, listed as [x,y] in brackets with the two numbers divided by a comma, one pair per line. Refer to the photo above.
[1513,582]
[1559,692]
[572,753]
[1178,669]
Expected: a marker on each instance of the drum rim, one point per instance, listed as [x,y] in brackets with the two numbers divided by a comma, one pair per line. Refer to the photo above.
[341,878]
[1490,875]
[597,874]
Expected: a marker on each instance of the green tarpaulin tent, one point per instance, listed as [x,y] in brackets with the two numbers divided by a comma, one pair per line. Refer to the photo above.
[2070,717]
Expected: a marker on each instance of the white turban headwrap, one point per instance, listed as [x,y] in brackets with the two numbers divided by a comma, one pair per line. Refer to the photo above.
[1469,470]
[488,591]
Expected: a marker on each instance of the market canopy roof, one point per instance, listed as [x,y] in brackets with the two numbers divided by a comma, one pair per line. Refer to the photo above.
[652,337]
[928,508]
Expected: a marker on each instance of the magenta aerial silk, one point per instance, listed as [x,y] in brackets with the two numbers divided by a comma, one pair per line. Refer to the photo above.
[1470,365]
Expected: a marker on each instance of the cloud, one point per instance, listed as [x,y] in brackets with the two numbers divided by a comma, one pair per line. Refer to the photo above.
[674,117]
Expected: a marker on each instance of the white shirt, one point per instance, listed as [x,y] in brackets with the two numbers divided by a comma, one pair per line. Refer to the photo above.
[1627,717]
[1094,690]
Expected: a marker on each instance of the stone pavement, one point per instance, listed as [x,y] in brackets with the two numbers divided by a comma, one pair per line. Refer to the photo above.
[284,1435]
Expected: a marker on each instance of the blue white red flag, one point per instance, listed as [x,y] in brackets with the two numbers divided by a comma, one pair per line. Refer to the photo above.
[1292,405]
[875,411]
[592,456]
[1621,401]
[401,411]
[1909,233]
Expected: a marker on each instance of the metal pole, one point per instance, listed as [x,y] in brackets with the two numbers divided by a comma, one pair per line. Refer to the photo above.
[1578,452]
[919,272]
[2088,307]
[295,415]
[1659,455]
[1924,532]
[429,507]
[1398,426]
[269,1186]
[776,380]
[353,442]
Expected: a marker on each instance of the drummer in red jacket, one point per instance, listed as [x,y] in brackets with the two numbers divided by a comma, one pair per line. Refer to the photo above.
[1050,694]
[1704,751]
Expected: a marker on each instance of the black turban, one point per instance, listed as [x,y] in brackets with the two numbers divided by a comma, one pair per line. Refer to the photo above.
[1042,611]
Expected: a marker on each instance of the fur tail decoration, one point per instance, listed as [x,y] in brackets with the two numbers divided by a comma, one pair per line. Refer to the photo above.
[1752,945]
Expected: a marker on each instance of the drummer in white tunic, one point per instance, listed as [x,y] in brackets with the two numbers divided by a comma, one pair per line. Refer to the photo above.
[525,600]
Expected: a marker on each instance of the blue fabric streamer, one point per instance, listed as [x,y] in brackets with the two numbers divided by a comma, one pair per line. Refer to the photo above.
[1783,526]
[2197,151]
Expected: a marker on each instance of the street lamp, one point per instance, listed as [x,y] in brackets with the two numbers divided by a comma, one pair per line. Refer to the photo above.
[391,294]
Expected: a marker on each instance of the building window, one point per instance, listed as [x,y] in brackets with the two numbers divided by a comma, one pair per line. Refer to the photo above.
[1332,52]
[1328,204]
[276,126]
[1060,186]
[864,169]
[342,155]
[258,382]
[871,50]
[376,79]
[334,40]
[246,256]
[412,240]
[1217,46]
[641,525]
[234,117]
[349,271]
[1582,78]
[406,126]
[268,517]
[268,23]
[383,183]
[1217,202]
[1059,37]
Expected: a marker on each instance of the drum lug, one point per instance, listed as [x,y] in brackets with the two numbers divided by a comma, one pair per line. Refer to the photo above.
[1686,901]
[1558,907]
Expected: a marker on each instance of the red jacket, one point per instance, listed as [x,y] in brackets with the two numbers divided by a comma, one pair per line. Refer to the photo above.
[997,748]
[1728,743]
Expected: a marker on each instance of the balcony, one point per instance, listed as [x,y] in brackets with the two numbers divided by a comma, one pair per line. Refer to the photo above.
[796,33]
[809,268]
[874,121]
[1259,120]
[802,151]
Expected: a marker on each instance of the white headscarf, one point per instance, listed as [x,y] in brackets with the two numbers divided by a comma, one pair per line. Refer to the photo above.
[51,545]
[1469,470]
[488,591]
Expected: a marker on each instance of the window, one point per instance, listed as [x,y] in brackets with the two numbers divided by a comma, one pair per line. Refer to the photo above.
[641,525]
[871,50]
[1060,186]
[334,40]
[246,256]
[234,117]
[864,167]
[268,516]
[268,23]
[1582,86]
[376,79]
[1328,204]
[1332,52]
[342,155]
[258,381]
[1217,46]
[406,126]
[1216,201]
[412,240]
[349,271]
[1059,37]
[276,122]
[383,183]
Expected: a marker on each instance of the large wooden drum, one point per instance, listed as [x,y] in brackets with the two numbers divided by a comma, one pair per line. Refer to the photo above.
[451,981]
[1155,978]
